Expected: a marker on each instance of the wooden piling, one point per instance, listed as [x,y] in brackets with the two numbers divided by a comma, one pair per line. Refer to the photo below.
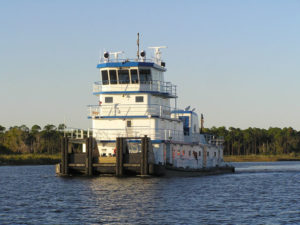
[62,148]
[89,156]
[119,156]
[144,158]
[64,156]
[90,166]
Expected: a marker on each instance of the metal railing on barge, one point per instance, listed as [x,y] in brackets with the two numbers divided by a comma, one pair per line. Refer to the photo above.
[154,134]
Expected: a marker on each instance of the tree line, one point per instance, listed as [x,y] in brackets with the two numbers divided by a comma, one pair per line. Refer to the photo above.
[258,141]
[21,139]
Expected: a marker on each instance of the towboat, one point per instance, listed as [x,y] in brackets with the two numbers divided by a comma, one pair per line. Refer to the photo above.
[137,127]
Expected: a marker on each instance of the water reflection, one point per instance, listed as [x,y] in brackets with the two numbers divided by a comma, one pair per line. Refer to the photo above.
[259,193]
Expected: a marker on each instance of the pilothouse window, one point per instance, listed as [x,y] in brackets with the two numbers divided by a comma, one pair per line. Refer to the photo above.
[113,77]
[134,77]
[104,77]
[145,75]
[124,76]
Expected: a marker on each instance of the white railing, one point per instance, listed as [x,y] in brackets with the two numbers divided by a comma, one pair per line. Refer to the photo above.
[154,134]
[153,86]
[102,60]
[214,140]
[95,111]
[76,133]
[112,134]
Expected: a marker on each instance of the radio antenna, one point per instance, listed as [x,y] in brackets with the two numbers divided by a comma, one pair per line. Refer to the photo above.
[138,46]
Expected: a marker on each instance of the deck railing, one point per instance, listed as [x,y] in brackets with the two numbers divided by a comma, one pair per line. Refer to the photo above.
[124,60]
[214,140]
[154,134]
[77,133]
[152,86]
[124,110]
[112,134]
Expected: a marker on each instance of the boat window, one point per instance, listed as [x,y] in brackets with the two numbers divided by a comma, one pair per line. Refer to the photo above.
[199,153]
[207,153]
[128,123]
[186,129]
[124,76]
[145,75]
[215,154]
[108,99]
[139,98]
[134,77]
[113,76]
[104,77]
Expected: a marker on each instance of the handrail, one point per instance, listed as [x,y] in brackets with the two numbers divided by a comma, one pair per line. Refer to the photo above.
[95,111]
[153,133]
[102,60]
[154,85]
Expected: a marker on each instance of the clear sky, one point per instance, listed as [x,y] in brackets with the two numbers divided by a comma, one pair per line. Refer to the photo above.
[238,62]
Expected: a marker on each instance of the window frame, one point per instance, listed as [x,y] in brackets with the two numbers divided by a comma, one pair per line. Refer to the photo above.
[124,81]
[115,81]
[137,74]
[107,74]
[147,75]
[136,97]
[108,97]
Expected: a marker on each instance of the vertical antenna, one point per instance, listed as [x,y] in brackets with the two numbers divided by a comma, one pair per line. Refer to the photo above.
[202,124]
[138,46]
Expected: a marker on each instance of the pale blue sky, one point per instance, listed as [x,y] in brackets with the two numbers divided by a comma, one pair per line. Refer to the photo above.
[235,61]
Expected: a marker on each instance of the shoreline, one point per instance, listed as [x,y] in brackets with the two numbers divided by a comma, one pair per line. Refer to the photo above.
[45,159]
[261,158]
[28,159]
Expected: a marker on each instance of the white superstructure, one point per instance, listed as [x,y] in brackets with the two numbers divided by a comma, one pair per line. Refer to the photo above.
[135,100]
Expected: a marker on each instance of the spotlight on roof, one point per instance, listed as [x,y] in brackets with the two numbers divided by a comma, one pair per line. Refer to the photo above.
[106,55]
[143,53]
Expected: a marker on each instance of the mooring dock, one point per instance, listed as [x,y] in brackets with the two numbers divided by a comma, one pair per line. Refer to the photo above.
[123,162]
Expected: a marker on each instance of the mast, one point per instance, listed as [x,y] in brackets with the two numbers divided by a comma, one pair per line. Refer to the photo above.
[138,46]
[202,124]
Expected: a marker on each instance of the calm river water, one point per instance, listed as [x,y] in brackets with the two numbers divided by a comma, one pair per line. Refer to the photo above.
[258,193]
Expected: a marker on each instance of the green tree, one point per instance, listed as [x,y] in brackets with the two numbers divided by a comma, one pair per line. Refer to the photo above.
[61,127]
[49,133]
[35,137]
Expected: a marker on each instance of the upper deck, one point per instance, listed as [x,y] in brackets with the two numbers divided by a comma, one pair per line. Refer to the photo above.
[124,76]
